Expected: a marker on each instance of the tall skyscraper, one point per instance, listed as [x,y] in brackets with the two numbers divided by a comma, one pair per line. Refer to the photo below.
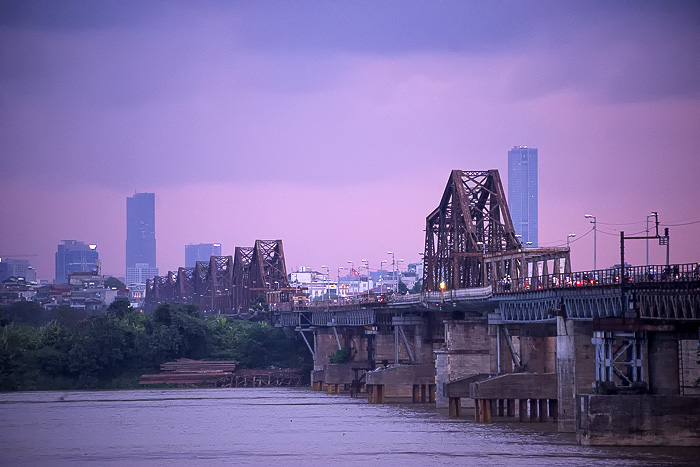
[522,192]
[74,256]
[140,237]
[200,252]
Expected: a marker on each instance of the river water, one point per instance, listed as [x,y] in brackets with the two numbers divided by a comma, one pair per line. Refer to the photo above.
[278,427]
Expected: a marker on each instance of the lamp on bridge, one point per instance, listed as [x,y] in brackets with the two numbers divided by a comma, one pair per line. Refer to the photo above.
[442,291]
[328,281]
[393,264]
[595,238]
[366,263]
[338,289]
[567,239]
[352,273]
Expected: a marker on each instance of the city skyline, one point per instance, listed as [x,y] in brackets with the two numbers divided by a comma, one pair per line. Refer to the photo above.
[334,126]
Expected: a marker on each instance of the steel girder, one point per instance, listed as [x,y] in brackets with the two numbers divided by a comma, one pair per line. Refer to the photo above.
[242,262]
[471,221]
[270,270]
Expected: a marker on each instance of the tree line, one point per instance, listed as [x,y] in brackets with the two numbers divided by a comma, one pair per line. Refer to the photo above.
[72,349]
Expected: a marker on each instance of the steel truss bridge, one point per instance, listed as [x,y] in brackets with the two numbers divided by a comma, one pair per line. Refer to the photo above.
[224,284]
[474,263]
[472,251]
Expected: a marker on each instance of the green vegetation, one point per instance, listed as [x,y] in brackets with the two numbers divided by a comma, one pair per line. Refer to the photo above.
[416,287]
[69,349]
[340,356]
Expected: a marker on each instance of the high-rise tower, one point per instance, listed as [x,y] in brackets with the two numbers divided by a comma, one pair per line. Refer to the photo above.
[74,256]
[200,252]
[522,192]
[140,237]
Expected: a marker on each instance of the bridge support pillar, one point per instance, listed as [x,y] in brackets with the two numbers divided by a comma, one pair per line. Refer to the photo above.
[510,409]
[663,363]
[467,353]
[522,409]
[575,368]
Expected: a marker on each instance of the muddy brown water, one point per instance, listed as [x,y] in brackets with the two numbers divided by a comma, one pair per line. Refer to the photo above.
[278,427]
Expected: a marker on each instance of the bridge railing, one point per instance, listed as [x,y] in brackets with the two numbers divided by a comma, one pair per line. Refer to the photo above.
[652,274]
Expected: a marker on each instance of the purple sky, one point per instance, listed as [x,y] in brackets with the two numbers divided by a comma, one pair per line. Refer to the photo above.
[334,126]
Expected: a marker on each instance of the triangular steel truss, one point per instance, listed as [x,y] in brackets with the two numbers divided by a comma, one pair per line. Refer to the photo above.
[224,283]
[472,219]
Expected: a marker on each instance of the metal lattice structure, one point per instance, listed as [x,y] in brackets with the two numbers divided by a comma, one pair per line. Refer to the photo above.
[224,283]
[472,219]
[470,240]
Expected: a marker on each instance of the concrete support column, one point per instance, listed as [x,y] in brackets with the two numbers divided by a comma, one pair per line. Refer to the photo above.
[467,353]
[455,407]
[543,410]
[575,368]
[553,409]
[510,409]
[663,364]
[533,410]
[566,377]
[522,410]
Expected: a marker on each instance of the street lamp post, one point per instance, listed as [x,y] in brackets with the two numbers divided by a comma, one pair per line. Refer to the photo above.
[398,274]
[352,272]
[653,214]
[381,283]
[328,281]
[338,288]
[595,239]
[567,239]
[393,266]
[366,263]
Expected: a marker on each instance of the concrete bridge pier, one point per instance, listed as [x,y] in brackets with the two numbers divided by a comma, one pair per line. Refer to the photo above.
[336,377]
[466,353]
[405,366]
[575,368]
[663,363]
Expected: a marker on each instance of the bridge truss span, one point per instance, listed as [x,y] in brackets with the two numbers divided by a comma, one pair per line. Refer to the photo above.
[545,305]
[470,240]
[224,283]
[669,304]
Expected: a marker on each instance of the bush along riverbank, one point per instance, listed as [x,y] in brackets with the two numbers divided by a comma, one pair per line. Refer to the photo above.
[71,350]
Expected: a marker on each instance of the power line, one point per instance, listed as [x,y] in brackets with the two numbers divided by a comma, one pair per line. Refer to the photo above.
[560,243]
[683,223]
[622,223]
